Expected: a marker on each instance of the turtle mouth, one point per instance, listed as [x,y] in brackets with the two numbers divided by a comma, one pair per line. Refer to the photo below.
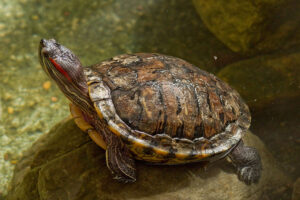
[49,48]
[43,46]
[43,57]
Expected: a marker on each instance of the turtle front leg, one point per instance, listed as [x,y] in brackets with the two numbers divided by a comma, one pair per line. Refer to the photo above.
[248,163]
[119,160]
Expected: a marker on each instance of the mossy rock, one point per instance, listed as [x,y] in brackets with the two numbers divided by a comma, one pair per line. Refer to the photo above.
[66,164]
[262,79]
[251,27]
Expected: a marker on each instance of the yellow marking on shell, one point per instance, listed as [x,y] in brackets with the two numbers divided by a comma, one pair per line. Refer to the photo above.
[100,115]
[139,155]
[97,138]
[90,82]
[148,112]
[181,155]
[202,154]
[161,151]
[186,111]
[115,131]
[139,144]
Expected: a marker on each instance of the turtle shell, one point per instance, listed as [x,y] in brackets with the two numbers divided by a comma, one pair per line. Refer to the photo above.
[166,109]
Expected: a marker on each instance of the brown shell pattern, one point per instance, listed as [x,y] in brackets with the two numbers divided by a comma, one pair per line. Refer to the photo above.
[164,105]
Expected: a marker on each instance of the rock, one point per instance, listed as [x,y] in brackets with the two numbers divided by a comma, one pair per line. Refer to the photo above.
[176,30]
[66,164]
[265,78]
[251,27]
[277,124]
[296,191]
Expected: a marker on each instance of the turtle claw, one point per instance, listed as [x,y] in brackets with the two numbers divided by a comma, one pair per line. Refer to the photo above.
[249,174]
[124,180]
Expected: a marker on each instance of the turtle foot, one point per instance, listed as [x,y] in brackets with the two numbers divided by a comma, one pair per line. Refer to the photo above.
[248,163]
[123,179]
[120,161]
[249,174]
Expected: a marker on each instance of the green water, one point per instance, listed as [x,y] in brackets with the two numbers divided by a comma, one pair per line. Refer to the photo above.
[96,30]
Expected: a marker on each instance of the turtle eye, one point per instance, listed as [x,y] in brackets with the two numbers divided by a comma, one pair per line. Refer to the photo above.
[56,44]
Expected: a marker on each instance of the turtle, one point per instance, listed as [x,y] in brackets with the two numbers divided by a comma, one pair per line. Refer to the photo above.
[155,108]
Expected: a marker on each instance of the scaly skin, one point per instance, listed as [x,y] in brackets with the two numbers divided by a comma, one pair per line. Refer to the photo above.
[247,162]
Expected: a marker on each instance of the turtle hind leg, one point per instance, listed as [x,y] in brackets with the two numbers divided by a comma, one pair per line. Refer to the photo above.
[120,161]
[248,163]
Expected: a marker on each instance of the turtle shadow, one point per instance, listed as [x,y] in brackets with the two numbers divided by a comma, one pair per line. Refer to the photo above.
[157,179]
[79,167]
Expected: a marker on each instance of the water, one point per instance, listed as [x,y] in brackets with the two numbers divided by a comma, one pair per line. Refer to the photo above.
[95,30]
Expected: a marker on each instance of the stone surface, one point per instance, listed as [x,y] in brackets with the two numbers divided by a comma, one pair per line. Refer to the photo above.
[277,125]
[296,191]
[262,79]
[251,27]
[66,164]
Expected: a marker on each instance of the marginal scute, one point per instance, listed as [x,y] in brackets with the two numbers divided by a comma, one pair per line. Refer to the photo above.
[98,91]
[165,109]
[106,108]
[114,128]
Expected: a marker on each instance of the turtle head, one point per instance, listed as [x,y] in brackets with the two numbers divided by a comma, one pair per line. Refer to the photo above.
[60,63]
[64,67]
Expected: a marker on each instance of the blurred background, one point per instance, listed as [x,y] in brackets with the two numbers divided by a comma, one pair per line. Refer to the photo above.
[252,45]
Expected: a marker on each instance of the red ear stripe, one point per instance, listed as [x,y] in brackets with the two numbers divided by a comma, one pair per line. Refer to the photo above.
[60,69]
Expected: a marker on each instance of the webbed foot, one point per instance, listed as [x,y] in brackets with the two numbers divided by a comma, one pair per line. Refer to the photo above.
[248,163]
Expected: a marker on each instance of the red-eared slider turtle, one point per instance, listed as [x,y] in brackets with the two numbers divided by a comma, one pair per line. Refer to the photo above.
[154,108]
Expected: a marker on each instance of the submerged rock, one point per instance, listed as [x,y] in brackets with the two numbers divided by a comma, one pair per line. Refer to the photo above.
[66,164]
[263,79]
[296,191]
[251,27]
